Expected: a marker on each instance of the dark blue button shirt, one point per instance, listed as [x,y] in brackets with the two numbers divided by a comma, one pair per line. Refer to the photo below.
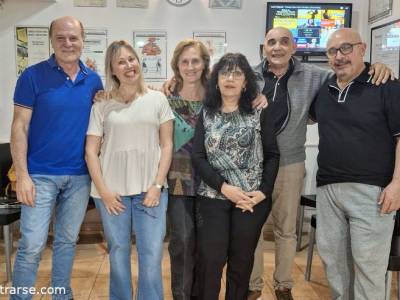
[60,116]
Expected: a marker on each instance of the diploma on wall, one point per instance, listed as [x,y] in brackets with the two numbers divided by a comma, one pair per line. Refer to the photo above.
[215,43]
[32,45]
[225,4]
[133,3]
[94,51]
[91,3]
[379,9]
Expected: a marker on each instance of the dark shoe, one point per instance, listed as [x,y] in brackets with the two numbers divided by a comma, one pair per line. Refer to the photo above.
[254,295]
[283,294]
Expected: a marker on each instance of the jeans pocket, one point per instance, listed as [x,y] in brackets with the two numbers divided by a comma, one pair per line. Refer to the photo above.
[153,212]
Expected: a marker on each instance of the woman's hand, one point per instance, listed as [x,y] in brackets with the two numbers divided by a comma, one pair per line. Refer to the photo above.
[234,193]
[112,202]
[101,96]
[152,197]
[255,198]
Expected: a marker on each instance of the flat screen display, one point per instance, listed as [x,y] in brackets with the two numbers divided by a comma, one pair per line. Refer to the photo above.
[310,23]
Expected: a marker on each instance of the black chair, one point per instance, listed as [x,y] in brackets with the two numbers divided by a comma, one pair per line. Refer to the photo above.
[310,250]
[5,164]
[394,259]
[305,200]
[7,215]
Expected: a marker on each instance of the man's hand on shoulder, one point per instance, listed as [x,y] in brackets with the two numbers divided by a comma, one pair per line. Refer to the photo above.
[102,96]
[380,73]
[260,102]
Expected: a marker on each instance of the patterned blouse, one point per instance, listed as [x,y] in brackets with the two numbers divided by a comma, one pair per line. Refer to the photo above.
[181,177]
[236,148]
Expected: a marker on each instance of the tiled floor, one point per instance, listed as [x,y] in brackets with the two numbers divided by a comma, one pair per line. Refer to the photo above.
[90,274]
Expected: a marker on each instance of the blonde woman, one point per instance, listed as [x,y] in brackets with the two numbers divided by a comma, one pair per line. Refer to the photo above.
[128,152]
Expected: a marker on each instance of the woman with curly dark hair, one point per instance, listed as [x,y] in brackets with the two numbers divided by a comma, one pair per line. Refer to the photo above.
[236,156]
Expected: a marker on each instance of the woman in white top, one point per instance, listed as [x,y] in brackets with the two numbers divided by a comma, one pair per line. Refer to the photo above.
[128,153]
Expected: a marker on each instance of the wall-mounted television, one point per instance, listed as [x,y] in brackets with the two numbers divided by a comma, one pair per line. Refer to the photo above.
[310,23]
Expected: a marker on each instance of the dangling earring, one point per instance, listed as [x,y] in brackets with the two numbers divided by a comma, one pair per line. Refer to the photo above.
[244,90]
[217,87]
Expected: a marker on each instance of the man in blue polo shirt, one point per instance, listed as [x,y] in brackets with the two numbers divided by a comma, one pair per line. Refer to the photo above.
[52,106]
[359,171]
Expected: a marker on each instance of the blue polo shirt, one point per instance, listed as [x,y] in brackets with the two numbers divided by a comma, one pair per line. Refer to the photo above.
[60,116]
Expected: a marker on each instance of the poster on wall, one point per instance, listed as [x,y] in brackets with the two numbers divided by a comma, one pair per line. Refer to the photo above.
[151,46]
[225,4]
[90,3]
[133,3]
[215,42]
[94,50]
[32,45]
[379,9]
[385,45]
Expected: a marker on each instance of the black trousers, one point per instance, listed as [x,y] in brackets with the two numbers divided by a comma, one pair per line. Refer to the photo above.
[181,217]
[226,235]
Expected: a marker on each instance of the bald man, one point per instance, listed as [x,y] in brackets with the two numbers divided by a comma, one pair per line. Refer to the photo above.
[52,103]
[290,86]
[359,171]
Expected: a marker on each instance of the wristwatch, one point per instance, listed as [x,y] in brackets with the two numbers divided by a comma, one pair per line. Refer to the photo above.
[159,186]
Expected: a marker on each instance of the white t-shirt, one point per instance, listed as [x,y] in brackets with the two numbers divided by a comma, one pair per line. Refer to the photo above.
[130,150]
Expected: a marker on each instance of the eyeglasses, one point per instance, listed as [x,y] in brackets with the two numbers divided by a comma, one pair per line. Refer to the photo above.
[227,74]
[345,49]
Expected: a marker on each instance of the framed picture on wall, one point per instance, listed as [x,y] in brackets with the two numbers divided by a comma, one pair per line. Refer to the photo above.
[225,4]
[133,3]
[94,50]
[215,41]
[385,45]
[151,46]
[379,9]
[32,45]
[90,3]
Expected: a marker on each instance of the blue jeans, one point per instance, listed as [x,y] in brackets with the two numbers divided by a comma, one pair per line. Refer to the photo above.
[68,197]
[149,225]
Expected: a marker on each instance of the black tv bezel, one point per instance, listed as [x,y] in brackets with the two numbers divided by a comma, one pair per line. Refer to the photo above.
[305,53]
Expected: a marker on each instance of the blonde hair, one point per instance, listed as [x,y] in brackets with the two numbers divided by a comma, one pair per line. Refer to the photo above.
[112,82]
[205,56]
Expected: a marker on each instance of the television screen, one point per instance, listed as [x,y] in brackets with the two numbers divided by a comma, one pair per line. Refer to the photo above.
[310,23]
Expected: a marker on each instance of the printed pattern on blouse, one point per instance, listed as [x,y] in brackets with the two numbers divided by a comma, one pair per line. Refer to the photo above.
[234,149]
[181,177]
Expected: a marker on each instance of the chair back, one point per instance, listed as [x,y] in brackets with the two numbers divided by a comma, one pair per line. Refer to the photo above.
[395,246]
[5,164]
